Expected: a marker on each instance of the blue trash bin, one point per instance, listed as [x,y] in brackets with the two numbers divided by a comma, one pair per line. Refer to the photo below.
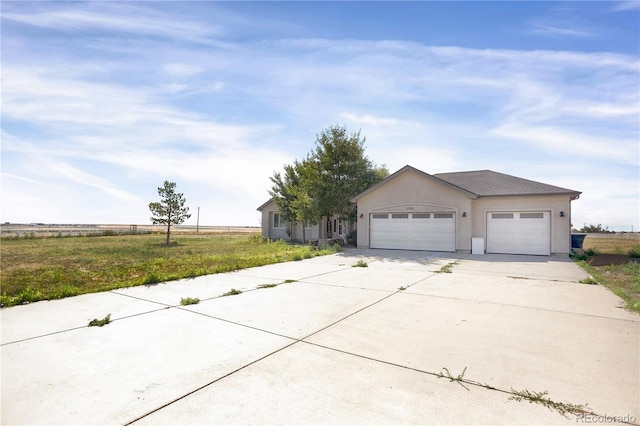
[577,240]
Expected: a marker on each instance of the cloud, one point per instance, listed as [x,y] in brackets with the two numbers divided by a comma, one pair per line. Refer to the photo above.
[181,70]
[565,142]
[32,181]
[77,176]
[551,30]
[106,17]
[174,102]
[626,5]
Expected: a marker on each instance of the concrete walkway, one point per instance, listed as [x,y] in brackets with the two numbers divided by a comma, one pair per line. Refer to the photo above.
[330,344]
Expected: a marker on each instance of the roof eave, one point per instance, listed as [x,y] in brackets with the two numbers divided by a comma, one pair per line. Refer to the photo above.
[264,205]
[573,194]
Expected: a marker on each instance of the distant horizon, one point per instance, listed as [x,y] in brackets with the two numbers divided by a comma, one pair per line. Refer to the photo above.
[630,229]
[123,224]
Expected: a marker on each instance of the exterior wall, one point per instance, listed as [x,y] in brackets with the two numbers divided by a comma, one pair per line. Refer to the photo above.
[266,220]
[268,230]
[411,192]
[560,226]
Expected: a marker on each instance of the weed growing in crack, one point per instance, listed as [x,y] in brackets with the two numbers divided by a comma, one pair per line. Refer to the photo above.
[588,280]
[563,408]
[100,323]
[232,292]
[267,285]
[289,281]
[360,264]
[402,288]
[446,269]
[189,301]
[445,373]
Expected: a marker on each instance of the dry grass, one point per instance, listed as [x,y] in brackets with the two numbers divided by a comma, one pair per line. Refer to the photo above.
[624,278]
[611,245]
[52,268]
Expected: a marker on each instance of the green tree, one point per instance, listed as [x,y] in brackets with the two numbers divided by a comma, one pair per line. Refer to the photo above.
[282,192]
[341,171]
[170,210]
[325,182]
[597,229]
[289,191]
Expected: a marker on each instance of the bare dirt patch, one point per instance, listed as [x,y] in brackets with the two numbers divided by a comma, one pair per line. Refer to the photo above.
[609,259]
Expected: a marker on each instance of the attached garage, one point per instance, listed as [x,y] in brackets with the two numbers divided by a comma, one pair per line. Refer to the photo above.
[435,231]
[519,232]
[413,210]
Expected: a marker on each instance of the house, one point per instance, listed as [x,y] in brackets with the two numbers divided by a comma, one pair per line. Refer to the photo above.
[495,212]
[275,227]
[477,211]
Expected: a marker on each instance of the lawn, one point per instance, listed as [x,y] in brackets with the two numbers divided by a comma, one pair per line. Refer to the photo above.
[53,268]
[610,245]
[623,279]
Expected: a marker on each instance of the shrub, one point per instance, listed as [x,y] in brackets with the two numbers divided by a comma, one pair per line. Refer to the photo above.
[151,278]
[635,252]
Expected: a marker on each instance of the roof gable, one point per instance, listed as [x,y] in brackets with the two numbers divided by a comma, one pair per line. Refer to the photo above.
[265,204]
[406,169]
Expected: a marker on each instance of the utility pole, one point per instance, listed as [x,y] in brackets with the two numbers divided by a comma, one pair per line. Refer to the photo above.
[198,221]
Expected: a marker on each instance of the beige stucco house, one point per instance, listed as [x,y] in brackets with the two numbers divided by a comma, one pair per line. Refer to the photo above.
[275,227]
[478,211]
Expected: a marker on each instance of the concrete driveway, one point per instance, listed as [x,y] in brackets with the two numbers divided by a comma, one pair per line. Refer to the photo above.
[330,344]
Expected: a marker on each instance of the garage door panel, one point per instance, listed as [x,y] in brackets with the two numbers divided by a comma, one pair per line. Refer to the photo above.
[417,231]
[519,233]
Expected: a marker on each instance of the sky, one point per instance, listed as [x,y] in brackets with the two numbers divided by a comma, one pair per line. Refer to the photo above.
[103,101]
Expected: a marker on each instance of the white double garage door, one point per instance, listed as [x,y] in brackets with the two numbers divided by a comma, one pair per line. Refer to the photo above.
[507,232]
[413,231]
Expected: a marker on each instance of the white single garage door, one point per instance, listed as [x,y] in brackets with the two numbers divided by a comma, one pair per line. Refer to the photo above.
[519,233]
[433,231]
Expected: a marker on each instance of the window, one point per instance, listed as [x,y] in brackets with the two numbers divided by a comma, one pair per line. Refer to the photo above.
[400,216]
[278,220]
[531,215]
[421,215]
[381,216]
[443,215]
[501,215]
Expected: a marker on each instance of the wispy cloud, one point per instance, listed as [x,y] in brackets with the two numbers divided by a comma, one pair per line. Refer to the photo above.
[78,176]
[175,102]
[626,5]
[552,30]
[103,16]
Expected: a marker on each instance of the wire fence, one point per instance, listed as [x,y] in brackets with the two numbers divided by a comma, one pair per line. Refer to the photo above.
[51,231]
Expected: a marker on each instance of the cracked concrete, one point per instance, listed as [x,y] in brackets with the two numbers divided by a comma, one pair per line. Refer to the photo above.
[339,345]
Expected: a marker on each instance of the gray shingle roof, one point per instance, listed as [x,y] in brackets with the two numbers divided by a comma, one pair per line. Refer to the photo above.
[487,183]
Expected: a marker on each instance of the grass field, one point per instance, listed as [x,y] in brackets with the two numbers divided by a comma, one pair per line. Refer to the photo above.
[53,268]
[624,279]
[611,245]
